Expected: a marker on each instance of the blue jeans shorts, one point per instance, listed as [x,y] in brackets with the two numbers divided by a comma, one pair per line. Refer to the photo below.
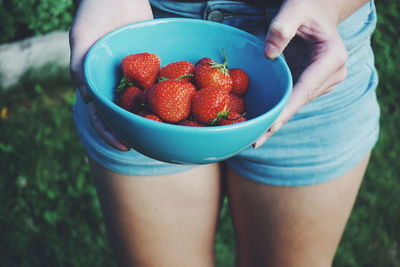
[323,140]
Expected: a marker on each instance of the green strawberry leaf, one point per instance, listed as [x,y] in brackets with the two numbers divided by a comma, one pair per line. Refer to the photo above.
[123,83]
[220,115]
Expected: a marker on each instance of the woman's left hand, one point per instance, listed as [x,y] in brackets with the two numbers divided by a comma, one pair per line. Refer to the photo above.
[315,22]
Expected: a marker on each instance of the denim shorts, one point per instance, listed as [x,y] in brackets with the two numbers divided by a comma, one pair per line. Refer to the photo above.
[324,140]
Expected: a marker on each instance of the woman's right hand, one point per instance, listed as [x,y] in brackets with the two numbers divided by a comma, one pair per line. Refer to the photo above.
[94,19]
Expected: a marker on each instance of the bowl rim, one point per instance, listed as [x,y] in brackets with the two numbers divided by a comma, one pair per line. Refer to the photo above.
[110,104]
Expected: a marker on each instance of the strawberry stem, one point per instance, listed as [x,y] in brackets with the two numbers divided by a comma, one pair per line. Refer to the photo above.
[233,119]
[225,64]
[184,76]
[220,115]
[222,67]
[160,79]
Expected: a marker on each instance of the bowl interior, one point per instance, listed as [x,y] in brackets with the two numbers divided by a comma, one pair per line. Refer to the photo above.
[188,39]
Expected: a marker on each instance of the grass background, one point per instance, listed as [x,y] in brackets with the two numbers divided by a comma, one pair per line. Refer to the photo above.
[49,211]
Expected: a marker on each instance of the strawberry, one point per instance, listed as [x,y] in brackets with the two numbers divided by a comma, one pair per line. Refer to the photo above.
[153,117]
[142,113]
[204,60]
[209,104]
[144,98]
[236,104]
[130,98]
[190,123]
[231,118]
[212,74]
[171,100]
[177,69]
[240,81]
[141,69]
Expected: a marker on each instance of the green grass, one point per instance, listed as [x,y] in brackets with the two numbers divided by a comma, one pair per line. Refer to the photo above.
[372,237]
[50,214]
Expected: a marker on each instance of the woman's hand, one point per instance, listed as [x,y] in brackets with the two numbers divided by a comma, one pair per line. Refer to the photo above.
[94,19]
[314,22]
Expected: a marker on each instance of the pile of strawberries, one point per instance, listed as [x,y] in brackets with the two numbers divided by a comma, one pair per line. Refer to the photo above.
[203,94]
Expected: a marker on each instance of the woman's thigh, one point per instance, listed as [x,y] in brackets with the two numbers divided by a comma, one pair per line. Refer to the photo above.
[291,226]
[167,220]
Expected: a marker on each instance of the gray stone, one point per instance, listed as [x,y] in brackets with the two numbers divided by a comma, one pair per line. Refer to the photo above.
[34,59]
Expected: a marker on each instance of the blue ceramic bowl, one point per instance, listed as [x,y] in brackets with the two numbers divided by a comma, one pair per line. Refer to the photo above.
[187,39]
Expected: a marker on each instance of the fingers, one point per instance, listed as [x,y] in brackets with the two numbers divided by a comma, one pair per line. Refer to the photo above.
[80,82]
[104,131]
[327,69]
[78,53]
[282,29]
[328,59]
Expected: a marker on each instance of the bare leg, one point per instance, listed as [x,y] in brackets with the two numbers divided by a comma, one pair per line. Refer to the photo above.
[161,221]
[291,226]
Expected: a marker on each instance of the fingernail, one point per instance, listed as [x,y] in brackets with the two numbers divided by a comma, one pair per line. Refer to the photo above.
[257,144]
[261,140]
[271,51]
[277,125]
[124,148]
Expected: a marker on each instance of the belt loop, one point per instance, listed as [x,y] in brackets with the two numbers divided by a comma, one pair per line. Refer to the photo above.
[205,12]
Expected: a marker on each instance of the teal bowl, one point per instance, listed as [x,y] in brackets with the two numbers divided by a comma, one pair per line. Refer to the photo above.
[187,39]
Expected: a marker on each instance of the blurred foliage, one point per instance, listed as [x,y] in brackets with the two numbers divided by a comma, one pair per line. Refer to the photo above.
[372,237]
[50,214]
[25,18]
[225,239]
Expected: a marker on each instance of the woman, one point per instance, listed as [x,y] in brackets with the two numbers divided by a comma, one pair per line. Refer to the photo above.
[291,193]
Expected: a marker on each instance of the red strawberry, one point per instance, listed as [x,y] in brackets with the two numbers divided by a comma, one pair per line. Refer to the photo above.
[176,70]
[153,117]
[190,123]
[232,118]
[141,69]
[209,104]
[205,60]
[144,98]
[212,74]
[236,104]
[142,112]
[171,100]
[240,81]
[130,99]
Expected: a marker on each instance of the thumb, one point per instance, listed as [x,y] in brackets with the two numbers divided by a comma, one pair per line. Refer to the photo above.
[281,30]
